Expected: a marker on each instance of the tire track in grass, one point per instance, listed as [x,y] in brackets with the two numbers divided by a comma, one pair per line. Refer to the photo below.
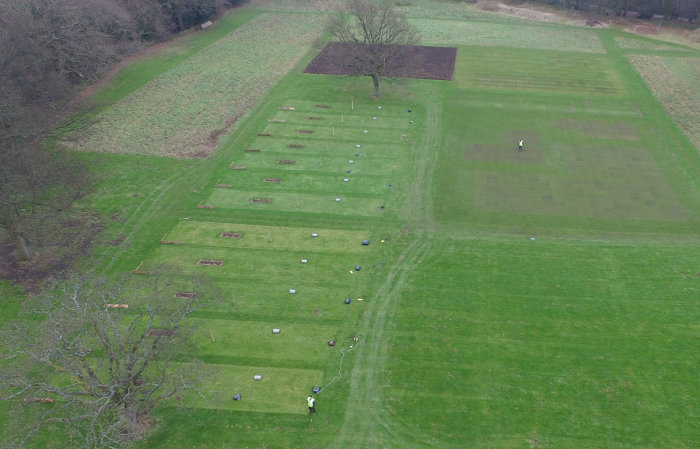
[366,421]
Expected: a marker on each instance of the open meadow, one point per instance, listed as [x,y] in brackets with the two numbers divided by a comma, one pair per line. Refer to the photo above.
[499,298]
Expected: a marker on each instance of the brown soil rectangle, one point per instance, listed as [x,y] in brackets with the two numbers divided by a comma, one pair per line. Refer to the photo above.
[142,272]
[210,262]
[236,167]
[285,162]
[437,63]
[264,135]
[225,186]
[314,118]
[295,145]
[169,242]
[186,295]
[272,180]
[205,206]
[260,200]
[305,131]
[274,120]
[231,235]
[117,306]
[252,150]
[286,108]
[324,106]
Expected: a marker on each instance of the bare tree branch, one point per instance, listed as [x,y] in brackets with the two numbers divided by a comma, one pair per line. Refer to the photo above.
[105,368]
[377,37]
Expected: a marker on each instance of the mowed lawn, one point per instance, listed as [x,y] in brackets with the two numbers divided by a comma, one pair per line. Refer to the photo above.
[543,298]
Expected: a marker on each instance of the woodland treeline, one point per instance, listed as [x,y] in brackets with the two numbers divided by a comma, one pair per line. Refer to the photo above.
[48,50]
[686,10]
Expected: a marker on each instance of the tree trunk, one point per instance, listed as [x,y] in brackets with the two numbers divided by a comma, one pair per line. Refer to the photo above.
[131,413]
[375,80]
[23,250]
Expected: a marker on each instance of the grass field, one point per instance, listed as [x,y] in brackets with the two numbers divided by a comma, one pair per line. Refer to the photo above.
[543,298]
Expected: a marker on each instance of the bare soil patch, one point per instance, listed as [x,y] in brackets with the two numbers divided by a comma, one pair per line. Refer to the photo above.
[210,262]
[285,162]
[272,180]
[252,150]
[186,295]
[435,63]
[295,145]
[260,200]
[231,235]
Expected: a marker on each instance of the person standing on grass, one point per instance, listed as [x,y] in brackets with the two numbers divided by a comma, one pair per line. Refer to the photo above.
[520,145]
[312,404]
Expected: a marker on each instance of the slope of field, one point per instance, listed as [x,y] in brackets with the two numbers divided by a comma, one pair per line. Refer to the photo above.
[505,298]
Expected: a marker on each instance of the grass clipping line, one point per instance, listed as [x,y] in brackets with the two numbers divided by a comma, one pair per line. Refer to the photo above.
[177,113]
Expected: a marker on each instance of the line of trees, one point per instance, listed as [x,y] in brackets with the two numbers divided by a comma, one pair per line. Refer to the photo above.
[644,9]
[48,49]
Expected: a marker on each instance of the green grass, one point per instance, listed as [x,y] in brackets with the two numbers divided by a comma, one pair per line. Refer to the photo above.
[571,345]
[510,299]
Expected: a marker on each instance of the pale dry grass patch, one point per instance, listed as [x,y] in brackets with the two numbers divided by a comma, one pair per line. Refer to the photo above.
[680,97]
[183,112]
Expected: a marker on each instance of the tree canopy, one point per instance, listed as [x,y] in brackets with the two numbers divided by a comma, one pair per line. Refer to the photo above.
[103,354]
[377,35]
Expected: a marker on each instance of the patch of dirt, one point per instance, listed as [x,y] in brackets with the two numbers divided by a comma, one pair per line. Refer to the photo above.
[285,162]
[186,295]
[272,180]
[231,235]
[62,244]
[260,200]
[436,63]
[213,141]
[210,262]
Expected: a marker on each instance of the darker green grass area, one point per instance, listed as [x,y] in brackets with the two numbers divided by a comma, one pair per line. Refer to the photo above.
[591,162]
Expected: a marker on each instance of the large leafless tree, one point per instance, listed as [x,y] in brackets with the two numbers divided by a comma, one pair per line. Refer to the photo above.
[100,356]
[377,35]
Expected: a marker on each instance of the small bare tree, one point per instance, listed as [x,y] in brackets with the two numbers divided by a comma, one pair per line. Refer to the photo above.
[378,37]
[102,357]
